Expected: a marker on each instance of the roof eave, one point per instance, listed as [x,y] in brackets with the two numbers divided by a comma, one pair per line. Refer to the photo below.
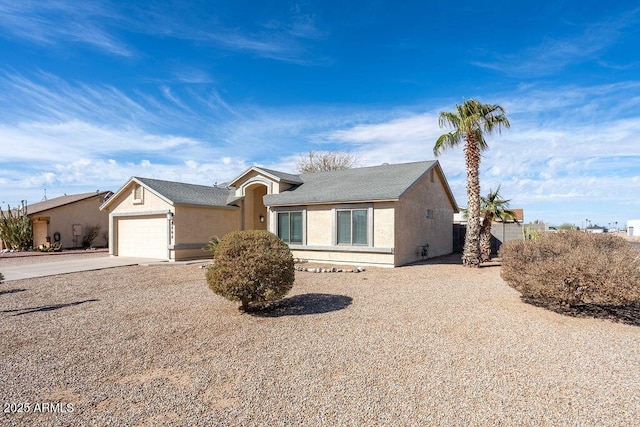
[195,205]
[333,202]
[253,169]
[261,171]
[68,203]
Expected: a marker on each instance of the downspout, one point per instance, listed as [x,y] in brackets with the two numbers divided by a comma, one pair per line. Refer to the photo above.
[169,233]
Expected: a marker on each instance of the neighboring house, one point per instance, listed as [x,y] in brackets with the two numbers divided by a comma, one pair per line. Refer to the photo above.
[461,217]
[381,215]
[150,218]
[62,220]
[595,229]
[633,228]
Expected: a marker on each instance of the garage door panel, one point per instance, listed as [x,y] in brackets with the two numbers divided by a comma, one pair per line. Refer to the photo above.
[143,237]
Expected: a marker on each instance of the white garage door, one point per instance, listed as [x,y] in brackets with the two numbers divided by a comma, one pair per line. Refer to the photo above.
[143,237]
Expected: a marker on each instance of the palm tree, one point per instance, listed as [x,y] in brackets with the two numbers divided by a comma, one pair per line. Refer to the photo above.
[493,208]
[470,122]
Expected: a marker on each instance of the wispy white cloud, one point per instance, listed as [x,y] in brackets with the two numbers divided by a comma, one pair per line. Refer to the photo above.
[190,74]
[169,95]
[285,46]
[555,53]
[98,24]
[52,22]
[282,38]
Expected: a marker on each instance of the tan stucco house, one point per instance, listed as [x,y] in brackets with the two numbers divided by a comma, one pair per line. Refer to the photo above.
[62,220]
[381,215]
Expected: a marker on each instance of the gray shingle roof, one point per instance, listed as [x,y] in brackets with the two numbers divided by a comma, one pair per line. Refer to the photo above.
[187,194]
[385,182]
[61,201]
[287,177]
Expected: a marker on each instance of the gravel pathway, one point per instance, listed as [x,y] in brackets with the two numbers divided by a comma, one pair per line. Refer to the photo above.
[433,344]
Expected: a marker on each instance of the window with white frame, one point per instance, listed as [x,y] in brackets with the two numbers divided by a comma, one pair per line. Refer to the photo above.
[352,226]
[290,226]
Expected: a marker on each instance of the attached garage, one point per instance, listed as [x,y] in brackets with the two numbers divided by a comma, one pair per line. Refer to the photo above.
[142,236]
[165,220]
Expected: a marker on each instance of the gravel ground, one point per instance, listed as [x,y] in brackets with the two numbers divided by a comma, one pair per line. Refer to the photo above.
[432,344]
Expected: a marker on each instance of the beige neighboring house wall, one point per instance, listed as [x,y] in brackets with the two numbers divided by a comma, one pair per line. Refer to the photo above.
[68,216]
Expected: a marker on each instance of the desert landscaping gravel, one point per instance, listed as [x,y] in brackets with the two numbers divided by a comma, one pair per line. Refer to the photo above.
[431,344]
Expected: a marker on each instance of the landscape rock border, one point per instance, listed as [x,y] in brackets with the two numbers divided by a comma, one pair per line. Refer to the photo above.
[330,270]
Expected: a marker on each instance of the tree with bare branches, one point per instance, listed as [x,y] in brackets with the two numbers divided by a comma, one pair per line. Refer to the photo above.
[323,161]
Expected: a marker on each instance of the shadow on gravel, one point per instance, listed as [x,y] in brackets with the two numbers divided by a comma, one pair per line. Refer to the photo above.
[302,305]
[46,307]
[11,291]
[450,259]
[628,314]
[453,259]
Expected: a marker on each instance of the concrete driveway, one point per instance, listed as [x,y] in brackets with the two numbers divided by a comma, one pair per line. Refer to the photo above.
[69,266]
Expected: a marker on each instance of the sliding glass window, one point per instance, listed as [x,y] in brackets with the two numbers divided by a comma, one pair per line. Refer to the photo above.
[290,227]
[352,227]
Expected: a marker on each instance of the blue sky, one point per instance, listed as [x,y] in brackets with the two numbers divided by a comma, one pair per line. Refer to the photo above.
[94,92]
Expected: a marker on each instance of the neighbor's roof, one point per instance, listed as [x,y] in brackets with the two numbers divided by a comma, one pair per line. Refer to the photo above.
[186,194]
[385,182]
[62,200]
[519,214]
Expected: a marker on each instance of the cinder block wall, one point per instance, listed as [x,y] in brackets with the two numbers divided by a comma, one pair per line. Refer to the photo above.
[500,232]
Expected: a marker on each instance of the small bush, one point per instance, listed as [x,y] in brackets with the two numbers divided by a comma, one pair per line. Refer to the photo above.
[214,241]
[1,277]
[91,232]
[573,268]
[251,266]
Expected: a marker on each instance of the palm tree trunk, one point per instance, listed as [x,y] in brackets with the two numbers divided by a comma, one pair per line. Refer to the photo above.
[485,240]
[471,254]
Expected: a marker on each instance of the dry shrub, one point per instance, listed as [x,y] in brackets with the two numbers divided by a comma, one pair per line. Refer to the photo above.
[573,268]
[251,266]
[90,234]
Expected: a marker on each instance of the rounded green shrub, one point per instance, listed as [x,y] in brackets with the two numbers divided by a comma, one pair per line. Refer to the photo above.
[573,268]
[251,266]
